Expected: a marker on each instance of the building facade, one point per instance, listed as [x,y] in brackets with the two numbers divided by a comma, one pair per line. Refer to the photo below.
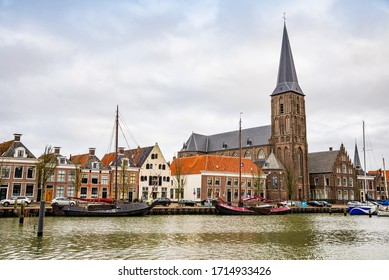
[18,170]
[209,176]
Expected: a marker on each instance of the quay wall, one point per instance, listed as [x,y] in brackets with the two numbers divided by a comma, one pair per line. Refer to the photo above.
[32,211]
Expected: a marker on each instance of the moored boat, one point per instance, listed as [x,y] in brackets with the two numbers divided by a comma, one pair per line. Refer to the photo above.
[108,210]
[227,209]
[362,208]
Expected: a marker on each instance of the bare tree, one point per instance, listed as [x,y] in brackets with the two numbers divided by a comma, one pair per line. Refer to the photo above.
[45,168]
[179,180]
[124,175]
[77,177]
[258,182]
[290,181]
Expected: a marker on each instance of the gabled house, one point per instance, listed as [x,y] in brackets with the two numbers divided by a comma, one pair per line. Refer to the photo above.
[18,174]
[124,179]
[94,174]
[61,182]
[332,176]
[154,172]
[208,176]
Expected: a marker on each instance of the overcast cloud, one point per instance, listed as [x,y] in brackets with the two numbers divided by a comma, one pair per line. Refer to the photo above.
[177,67]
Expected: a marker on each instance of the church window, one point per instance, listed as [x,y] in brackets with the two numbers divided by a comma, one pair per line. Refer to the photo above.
[247,154]
[281,108]
[298,109]
[261,155]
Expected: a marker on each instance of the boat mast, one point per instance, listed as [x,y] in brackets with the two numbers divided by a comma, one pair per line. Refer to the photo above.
[116,151]
[240,203]
[386,185]
[364,162]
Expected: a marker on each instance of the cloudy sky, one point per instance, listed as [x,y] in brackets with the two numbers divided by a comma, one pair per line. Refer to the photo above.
[177,67]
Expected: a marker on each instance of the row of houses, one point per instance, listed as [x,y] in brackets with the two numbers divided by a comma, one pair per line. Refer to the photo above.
[144,174]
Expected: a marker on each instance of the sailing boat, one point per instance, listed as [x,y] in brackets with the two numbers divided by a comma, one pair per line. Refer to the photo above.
[364,207]
[110,209]
[225,208]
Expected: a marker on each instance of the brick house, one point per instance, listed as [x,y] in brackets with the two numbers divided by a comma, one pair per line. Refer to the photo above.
[18,172]
[332,176]
[95,176]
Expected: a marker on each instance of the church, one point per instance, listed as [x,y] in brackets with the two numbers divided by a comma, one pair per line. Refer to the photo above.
[278,148]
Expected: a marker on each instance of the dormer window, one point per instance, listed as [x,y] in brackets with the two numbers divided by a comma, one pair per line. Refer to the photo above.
[62,160]
[224,145]
[20,152]
[125,162]
[95,165]
[249,142]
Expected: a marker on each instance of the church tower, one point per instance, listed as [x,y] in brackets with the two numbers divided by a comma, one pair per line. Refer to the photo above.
[288,121]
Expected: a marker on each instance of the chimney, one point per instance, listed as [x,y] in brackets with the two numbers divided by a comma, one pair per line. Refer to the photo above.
[17,137]
[121,150]
[330,149]
[92,151]
[57,150]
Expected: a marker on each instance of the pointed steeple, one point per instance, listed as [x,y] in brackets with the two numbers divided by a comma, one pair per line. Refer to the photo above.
[287,77]
[357,161]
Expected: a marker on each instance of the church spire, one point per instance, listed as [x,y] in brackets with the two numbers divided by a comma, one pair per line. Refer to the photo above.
[357,161]
[287,77]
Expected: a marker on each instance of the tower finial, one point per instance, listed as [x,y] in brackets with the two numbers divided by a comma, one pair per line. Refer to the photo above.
[284,17]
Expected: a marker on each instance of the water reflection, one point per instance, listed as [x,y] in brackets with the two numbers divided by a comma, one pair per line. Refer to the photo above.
[319,236]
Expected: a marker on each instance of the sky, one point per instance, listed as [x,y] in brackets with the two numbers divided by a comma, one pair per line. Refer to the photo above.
[177,67]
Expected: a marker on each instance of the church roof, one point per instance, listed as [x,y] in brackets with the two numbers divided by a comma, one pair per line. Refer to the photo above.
[287,77]
[272,163]
[256,136]
[322,162]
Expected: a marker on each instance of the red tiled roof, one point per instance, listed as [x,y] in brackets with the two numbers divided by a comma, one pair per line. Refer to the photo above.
[5,146]
[196,164]
[108,158]
[80,159]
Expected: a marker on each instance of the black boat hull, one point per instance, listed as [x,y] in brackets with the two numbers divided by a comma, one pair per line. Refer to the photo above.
[135,209]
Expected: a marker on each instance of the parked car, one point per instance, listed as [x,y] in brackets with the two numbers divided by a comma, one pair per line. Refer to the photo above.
[63,201]
[325,203]
[162,201]
[17,199]
[188,203]
[314,203]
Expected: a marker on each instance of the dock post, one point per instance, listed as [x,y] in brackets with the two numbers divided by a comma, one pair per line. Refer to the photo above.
[21,213]
[345,212]
[370,213]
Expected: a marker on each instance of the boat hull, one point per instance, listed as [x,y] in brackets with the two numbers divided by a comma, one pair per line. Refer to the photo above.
[225,209]
[136,209]
[362,210]
[271,211]
[383,213]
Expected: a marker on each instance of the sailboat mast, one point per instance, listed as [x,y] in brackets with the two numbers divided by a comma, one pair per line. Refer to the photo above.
[386,185]
[240,203]
[364,162]
[116,151]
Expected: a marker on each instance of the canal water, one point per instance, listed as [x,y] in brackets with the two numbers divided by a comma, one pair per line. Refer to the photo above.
[198,237]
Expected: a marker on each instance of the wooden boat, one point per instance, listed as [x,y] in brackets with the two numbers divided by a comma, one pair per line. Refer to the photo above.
[227,209]
[108,210]
[112,209]
[274,210]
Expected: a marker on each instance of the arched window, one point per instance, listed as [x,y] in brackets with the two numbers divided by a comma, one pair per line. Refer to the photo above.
[247,154]
[261,154]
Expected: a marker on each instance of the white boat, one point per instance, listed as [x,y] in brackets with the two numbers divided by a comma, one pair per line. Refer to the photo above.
[383,211]
[365,207]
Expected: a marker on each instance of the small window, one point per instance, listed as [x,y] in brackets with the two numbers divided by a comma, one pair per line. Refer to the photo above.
[281,108]
[95,165]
